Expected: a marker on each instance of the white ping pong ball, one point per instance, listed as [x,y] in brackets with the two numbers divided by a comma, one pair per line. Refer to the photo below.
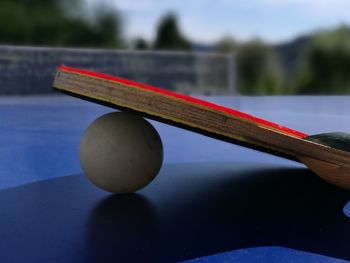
[121,152]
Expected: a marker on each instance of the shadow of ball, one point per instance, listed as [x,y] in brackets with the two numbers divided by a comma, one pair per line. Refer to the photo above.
[123,227]
[121,152]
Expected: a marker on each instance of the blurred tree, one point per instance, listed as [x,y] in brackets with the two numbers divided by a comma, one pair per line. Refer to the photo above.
[140,44]
[57,23]
[325,68]
[107,24]
[258,70]
[226,45]
[169,36]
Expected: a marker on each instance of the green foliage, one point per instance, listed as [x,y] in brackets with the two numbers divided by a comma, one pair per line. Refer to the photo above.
[140,44]
[325,68]
[258,70]
[169,36]
[107,26]
[226,45]
[49,22]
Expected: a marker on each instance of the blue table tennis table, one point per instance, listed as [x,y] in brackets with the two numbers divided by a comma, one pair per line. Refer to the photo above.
[211,202]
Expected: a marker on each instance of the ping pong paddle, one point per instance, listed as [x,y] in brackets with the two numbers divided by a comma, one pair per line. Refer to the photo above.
[329,162]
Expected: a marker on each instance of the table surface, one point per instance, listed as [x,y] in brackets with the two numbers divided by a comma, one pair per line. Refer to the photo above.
[212,201]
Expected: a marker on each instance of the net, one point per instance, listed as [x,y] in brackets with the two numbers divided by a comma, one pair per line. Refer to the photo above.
[30,70]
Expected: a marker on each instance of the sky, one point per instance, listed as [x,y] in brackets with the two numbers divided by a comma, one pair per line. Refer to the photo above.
[207,21]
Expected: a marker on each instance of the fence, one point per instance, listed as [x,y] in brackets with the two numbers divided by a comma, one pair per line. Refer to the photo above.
[30,70]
